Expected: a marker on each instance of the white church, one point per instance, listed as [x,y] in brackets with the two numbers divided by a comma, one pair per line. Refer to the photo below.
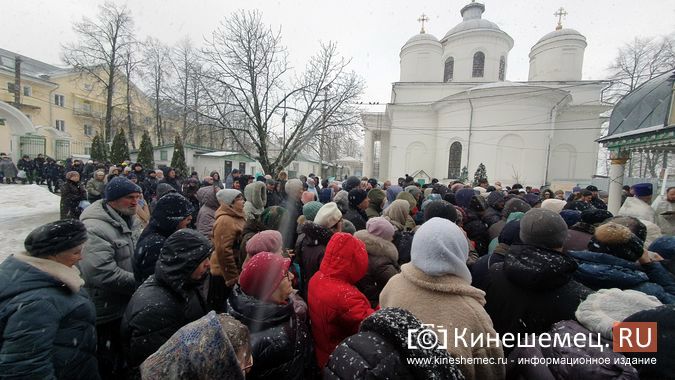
[452,107]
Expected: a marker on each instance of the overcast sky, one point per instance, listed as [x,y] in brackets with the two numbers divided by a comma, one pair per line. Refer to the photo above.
[370,32]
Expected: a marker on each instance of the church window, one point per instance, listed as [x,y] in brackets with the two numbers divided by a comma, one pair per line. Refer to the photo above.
[478,64]
[502,68]
[449,69]
[455,160]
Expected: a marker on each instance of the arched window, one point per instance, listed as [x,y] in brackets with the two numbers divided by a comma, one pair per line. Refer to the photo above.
[478,64]
[455,160]
[502,68]
[449,69]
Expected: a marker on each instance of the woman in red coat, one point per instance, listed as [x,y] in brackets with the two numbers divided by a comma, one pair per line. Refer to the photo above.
[336,306]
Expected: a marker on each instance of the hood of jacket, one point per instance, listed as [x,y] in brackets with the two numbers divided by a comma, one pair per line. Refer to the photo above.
[601,270]
[256,195]
[256,314]
[21,274]
[316,234]
[345,259]
[170,210]
[207,196]
[376,246]
[538,268]
[181,254]
[496,200]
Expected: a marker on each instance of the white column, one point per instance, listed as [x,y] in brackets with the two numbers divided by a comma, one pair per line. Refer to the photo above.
[615,184]
[368,154]
[15,147]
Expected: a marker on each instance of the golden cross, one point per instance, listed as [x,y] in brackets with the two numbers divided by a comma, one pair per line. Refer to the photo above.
[423,18]
[560,13]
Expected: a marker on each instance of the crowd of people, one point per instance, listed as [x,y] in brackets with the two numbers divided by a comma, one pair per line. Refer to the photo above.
[152,276]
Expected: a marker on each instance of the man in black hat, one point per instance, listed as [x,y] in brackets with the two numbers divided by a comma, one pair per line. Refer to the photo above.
[596,201]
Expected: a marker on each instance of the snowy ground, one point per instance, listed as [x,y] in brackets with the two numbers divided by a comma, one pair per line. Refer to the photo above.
[22,208]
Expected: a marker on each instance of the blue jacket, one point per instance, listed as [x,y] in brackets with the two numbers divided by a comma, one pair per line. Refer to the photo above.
[48,331]
[603,271]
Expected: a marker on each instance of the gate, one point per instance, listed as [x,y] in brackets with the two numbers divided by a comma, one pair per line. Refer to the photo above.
[32,145]
[62,150]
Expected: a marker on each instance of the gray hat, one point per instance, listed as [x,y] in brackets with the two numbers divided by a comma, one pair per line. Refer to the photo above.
[543,228]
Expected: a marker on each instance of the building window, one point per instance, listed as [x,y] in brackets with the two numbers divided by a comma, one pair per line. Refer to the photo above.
[455,160]
[88,130]
[502,68]
[88,87]
[27,91]
[61,125]
[163,155]
[10,87]
[449,69]
[87,150]
[478,64]
[59,100]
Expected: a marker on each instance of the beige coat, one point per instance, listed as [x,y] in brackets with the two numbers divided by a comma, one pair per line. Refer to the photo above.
[225,259]
[450,302]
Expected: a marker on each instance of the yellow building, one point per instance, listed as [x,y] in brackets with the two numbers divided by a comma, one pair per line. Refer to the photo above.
[58,110]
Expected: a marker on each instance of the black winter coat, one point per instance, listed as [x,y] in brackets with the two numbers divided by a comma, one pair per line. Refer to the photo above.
[309,251]
[281,342]
[168,212]
[380,351]
[403,242]
[72,193]
[358,217]
[532,289]
[167,300]
[48,331]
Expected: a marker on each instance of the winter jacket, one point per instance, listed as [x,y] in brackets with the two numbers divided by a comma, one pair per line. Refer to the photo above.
[578,237]
[95,190]
[357,216]
[227,257]
[106,261]
[280,339]
[336,306]
[603,271]
[373,211]
[201,350]
[149,188]
[47,321]
[207,212]
[169,212]
[72,193]
[26,165]
[8,168]
[256,199]
[326,195]
[403,242]
[380,350]
[587,352]
[532,289]
[309,252]
[166,301]
[446,301]
[273,199]
[289,231]
[382,265]
[480,270]
[173,182]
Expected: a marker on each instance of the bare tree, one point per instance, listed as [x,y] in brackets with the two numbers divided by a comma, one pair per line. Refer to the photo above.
[99,51]
[155,72]
[639,61]
[249,85]
[130,67]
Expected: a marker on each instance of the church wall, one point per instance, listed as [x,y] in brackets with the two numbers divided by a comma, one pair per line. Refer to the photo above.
[463,49]
[412,143]
[578,127]
[422,63]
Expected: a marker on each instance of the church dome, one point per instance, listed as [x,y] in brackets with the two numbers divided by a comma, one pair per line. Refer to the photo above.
[472,20]
[566,32]
[421,38]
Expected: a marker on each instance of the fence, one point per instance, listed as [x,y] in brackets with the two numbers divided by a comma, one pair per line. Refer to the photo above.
[32,145]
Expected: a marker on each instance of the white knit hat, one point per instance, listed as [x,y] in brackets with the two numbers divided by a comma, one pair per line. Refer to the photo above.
[605,307]
[328,215]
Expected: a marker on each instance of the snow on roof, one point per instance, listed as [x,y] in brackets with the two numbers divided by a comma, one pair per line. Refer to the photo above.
[24,207]
[221,153]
